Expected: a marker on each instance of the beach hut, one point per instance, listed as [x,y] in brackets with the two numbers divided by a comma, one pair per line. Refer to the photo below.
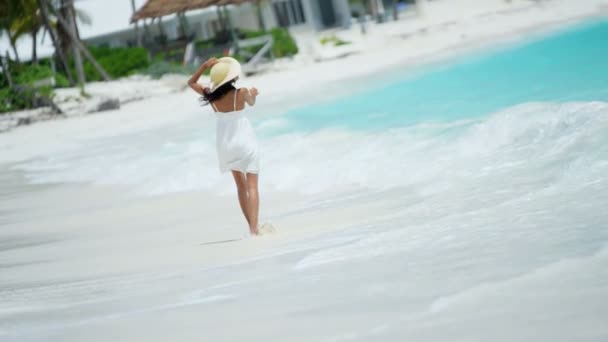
[160,8]
[156,9]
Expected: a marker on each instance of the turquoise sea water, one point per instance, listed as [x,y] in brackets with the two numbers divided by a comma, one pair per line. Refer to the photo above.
[566,66]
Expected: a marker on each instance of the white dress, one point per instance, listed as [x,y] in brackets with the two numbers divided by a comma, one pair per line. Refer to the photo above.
[237,147]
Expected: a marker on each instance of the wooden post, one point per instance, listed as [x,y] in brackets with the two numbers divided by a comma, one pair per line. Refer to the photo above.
[137,35]
[220,17]
[161,28]
[395,10]
[42,4]
[83,49]
[231,28]
[258,5]
[146,35]
[184,24]
[374,7]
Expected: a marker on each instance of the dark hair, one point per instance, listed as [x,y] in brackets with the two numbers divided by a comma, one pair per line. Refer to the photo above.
[209,97]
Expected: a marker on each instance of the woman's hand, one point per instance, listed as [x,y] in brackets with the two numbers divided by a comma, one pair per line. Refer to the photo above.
[250,95]
[210,62]
[194,79]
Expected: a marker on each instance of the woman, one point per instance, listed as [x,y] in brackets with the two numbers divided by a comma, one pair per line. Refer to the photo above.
[237,148]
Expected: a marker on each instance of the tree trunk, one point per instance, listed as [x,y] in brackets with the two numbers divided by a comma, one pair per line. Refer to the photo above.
[83,49]
[6,71]
[72,32]
[14,47]
[62,32]
[34,47]
[42,4]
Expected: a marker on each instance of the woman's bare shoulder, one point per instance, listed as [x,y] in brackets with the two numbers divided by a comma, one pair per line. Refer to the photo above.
[242,96]
[243,92]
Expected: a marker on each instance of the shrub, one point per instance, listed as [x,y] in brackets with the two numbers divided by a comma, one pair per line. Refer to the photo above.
[117,62]
[24,95]
[12,99]
[334,40]
[203,44]
[61,81]
[284,44]
[30,74]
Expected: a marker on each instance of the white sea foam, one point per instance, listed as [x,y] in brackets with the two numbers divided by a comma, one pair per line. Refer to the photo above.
[532,135]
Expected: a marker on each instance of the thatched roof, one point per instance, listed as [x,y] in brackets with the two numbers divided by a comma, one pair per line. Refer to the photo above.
[160,8]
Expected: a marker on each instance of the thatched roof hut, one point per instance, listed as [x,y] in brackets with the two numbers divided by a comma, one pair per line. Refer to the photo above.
[160,8]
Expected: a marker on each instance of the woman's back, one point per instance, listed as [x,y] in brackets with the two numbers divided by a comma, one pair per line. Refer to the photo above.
[236,143]
[231,102]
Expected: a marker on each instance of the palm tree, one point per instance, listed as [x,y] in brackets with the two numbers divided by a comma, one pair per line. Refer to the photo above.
[43,5]
[10,10]
[29,21]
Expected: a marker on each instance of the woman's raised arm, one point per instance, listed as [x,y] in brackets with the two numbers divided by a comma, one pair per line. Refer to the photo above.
[193,81]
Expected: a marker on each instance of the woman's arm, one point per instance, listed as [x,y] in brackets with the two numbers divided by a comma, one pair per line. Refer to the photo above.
[250,95]
[192,82]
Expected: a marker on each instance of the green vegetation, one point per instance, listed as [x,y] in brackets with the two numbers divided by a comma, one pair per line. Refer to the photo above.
[335,41]
[117,62]
[24,95]
[203,44]
[11,99]
[23,74]
[20,18]
[284,44]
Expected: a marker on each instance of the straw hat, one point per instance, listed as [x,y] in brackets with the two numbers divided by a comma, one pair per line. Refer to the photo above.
[225,70]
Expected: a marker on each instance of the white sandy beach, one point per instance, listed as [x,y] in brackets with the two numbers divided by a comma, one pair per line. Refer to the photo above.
[93,248]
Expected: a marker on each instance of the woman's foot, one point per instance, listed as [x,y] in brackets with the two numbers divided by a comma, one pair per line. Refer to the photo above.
[266,229]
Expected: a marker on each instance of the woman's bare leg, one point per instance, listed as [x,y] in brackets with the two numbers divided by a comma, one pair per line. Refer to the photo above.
[253,204]
[241,187]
